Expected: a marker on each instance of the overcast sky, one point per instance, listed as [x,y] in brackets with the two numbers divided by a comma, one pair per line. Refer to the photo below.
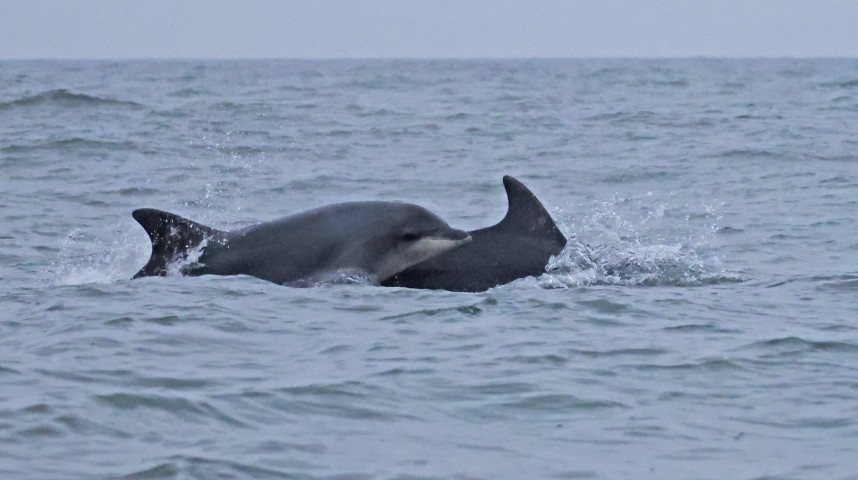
[427,28]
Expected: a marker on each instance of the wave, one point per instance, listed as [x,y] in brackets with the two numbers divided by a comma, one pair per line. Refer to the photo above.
[553,402]
[175,405]
[189,466]
[793,345]
[624,116]
[66,99]
[714,365]
[71,143]
[847,83]
[745,153]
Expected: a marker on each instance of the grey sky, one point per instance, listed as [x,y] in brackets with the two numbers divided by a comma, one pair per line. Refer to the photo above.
[428,28]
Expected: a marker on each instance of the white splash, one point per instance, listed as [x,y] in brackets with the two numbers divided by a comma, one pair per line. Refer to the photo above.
[82,258]
[648,247]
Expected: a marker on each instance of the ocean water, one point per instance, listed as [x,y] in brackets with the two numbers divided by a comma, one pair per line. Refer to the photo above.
[700,324]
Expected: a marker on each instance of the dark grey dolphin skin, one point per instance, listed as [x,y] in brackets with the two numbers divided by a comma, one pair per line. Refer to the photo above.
[377,239]
[517,247]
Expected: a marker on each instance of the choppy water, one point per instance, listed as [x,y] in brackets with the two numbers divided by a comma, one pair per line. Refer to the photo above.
[700,324]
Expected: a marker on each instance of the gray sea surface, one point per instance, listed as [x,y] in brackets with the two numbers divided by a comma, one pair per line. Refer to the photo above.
[701,323]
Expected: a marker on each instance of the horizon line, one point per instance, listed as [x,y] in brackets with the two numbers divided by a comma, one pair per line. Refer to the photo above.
[430,58]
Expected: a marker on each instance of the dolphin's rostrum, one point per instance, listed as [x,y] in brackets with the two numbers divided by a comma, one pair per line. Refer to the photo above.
[374,239]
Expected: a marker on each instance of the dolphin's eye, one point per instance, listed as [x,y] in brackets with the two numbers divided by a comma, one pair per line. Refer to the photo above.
[410,237]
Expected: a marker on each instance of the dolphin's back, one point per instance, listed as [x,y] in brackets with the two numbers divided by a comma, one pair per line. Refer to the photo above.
[517,247]
[281,251]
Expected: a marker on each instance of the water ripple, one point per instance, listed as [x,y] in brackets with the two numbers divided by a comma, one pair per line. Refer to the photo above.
[792,345]
[182,408]
[181,466]
[560,402]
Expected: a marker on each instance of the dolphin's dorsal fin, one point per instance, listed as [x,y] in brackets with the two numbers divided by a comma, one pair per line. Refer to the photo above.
[526,214]
[172,238]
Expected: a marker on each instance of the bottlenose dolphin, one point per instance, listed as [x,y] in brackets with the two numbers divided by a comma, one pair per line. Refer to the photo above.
[517,247]
[373,239]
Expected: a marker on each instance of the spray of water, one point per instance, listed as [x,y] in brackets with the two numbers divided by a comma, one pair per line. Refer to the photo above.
[83,259]
[634,242]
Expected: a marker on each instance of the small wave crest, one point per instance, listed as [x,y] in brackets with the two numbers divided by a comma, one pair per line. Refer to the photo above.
[66,99]
[71,143]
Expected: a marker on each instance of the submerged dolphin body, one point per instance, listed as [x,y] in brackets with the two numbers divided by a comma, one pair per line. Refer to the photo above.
[376,239]
[517,247]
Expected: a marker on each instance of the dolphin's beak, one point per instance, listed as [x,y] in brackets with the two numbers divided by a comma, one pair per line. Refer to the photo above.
[448,239]
[460,237]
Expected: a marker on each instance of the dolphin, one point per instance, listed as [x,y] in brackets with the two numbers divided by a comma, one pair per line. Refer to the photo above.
[373,239]
[517,247]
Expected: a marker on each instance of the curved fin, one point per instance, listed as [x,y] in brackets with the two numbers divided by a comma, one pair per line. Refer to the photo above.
[172,238]
[526,213]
